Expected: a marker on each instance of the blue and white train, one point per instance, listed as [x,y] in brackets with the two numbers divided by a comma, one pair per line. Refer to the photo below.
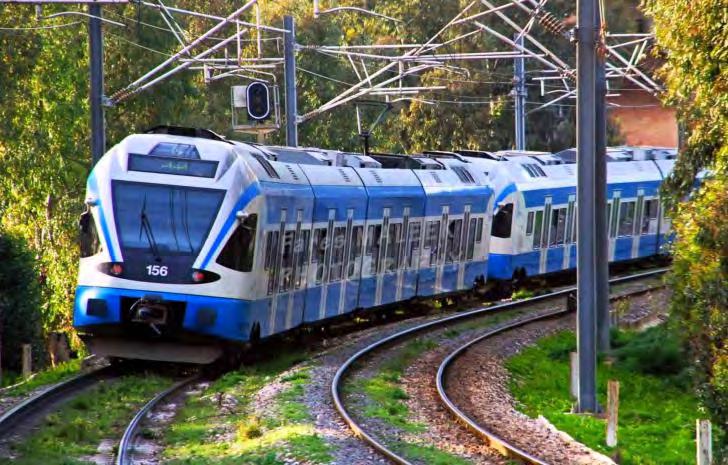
[191,241]
[534,225]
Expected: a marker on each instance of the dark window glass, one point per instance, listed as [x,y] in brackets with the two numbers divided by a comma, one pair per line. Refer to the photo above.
[537,229]
[454,233]
[318,252]
[168,220]
[529,224]
[558,227]
[502,222]
[337,258]
[88,236]
[626,218]
[239,251]
[271,259]
[472,229]
[615,209]
[413,254]
[287,261]
[374,234]
[393,239]
[301,256]
[650,214]
[433,240]
[355,251]
[479,231]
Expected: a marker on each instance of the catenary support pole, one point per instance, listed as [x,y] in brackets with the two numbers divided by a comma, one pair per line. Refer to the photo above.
[519,93]
[600,200]
[96,64]
[586,219]
[289,55]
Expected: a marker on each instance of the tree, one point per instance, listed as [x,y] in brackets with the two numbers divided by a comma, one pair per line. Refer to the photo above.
[693,39]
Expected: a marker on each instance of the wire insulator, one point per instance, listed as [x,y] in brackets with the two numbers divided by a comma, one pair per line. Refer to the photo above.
[551,23]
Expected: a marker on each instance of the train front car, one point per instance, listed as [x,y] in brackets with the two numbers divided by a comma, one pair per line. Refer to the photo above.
[167,237]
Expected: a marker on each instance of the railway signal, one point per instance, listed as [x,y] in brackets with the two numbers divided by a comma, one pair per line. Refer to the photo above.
[258,99]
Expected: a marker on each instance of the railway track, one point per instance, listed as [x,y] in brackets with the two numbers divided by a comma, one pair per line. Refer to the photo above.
[493,440]
[126,449]
[25,412]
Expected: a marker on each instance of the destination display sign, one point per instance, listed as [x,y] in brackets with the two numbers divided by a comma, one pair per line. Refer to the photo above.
[167,165]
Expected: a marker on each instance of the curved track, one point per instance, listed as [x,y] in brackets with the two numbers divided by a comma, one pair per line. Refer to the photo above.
[29,408]
[497,443]
[125,454]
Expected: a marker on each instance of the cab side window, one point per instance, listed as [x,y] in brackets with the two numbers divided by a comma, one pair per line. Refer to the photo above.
[502,222]
[239,252]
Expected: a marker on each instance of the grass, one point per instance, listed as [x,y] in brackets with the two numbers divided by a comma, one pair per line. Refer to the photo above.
[42,378]
[656,413]
[77,428]
[203,435]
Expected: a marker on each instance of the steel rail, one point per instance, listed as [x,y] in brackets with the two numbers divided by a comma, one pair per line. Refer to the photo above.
[336,383]
[21,412]
[125,450]
[493,440]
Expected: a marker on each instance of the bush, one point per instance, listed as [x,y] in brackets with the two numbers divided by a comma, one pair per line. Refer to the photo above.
[655,351]
[20,309]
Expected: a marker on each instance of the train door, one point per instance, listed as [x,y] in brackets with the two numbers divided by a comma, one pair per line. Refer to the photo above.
[342,259]
[544,252]
[613,224]
[568,243]
[442,245]
[325,265]
[637,223]
[382,256]
[465,237]
[274,261]
[401,252]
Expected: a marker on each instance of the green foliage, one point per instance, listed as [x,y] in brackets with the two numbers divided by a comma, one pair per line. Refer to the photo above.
[78,427]
[286,427]
[656,351]
[19,303]
[693,40]
[656,413]
[45,377]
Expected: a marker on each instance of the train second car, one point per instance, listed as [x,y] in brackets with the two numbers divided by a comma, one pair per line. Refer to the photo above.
[191,242]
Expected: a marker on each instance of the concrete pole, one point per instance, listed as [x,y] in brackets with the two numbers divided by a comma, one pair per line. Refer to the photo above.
[600,202]
[586,220]
[96,64]
[519,93]
[289,55]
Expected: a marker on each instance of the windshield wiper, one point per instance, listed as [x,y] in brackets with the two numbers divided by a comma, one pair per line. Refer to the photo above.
[146,226]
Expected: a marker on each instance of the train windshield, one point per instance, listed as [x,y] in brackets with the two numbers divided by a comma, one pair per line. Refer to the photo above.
[164,220]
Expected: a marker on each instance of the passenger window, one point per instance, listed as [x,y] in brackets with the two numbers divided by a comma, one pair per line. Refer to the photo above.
[472,228]
[613,226]
[287,261]
[271,255]
[454,234]
[529,224]
[479,231]
[301,252]
[374,235]
[433,240]
[318,252]
[393,240]
[502,222]
[537,226]
[239,251]
[414,245]
[626,219]
[355,250]
[650,213]
[558,227]
[337,254]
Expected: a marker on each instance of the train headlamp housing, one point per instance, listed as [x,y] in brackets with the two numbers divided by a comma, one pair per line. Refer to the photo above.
[202,276]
